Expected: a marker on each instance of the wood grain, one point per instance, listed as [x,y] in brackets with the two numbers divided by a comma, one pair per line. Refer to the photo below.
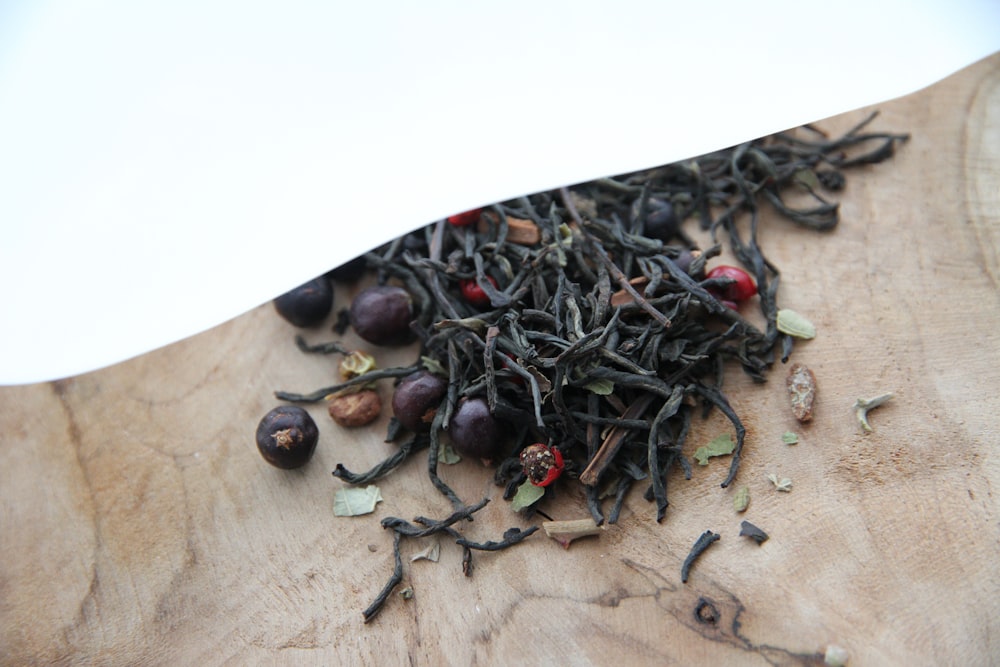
[139,525]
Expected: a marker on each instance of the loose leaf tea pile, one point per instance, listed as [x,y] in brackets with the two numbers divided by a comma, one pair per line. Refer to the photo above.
[589,322]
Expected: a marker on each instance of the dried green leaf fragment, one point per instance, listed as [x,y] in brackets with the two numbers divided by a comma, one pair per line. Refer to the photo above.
[447,453]
[782,484]
[790,438]
[863,405]
[527,495]
[835,656]
[806,178]
[355,501]
[792,323]
[601,387]
[434,366]
[720,446]
[432,553]
[356,363]
[741,500]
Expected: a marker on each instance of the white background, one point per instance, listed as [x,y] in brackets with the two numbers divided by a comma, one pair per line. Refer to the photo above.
[165,168]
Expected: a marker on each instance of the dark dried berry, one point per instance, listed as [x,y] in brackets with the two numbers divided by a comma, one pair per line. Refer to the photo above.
[307,305]
[685,260]
[417,398]
[474,431]
[287,437]
[382,314]
[661,221]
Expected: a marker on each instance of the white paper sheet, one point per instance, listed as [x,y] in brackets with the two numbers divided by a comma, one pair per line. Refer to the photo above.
[165,168]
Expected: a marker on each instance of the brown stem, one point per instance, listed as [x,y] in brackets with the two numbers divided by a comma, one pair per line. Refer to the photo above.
[606,452]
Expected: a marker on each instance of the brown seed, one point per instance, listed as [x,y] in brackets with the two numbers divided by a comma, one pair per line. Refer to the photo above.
[358,408]
[802,391]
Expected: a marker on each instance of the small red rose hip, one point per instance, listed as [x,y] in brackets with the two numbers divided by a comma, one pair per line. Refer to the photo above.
[473,293]
[542,464]
[465,219]
[742,288]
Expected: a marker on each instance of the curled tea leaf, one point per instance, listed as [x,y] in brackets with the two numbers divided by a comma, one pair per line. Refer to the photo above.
[747,529]
[791,323]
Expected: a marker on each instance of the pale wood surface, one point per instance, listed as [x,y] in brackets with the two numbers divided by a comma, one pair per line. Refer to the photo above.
[139,525]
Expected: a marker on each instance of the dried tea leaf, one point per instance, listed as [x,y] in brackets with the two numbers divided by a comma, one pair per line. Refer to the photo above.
[790,438]
[355,501]
[801,385]
[791,323]
[527,494]
[747,529]
[431,553]
[742,498]
[720,446]
[447,453]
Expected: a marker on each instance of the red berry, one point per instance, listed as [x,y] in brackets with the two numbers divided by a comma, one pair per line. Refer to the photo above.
[465,219]
[473,293]
[740,290]
[542,464]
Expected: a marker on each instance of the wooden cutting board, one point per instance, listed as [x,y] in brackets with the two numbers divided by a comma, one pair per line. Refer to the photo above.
[140,526]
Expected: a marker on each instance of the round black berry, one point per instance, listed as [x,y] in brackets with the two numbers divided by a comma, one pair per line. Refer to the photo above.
[287,437]
[307,305]
[416,399]
[474,431]
[661,220]
[382,314]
